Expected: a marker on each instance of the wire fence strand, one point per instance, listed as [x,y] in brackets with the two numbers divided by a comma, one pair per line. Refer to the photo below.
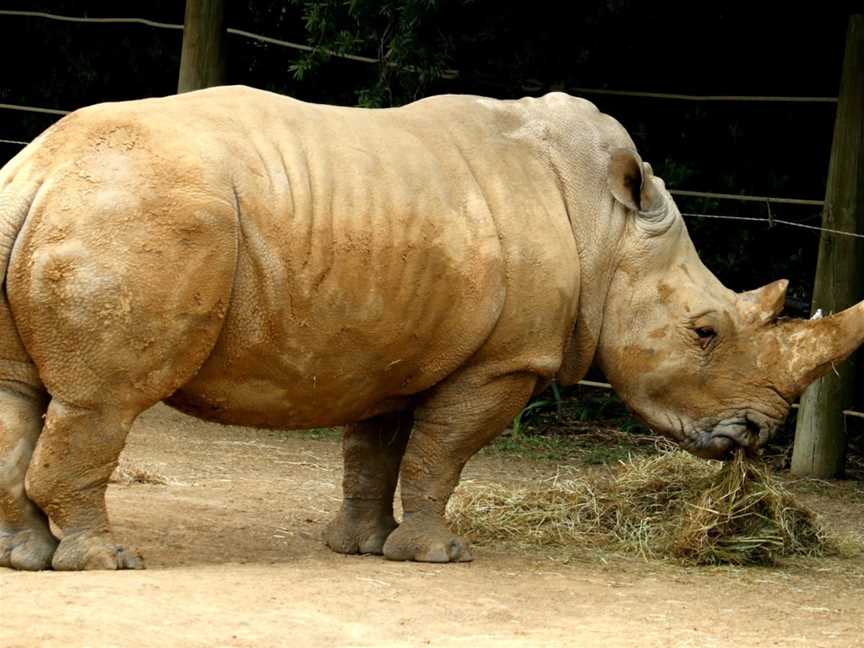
[87,19]
[762,199]
[602,385]
[689,97]
[775,221]
[36,109]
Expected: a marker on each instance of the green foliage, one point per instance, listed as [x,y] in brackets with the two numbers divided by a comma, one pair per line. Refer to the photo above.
[546,448]
[592,428]
[581,405]
[323,433]
[403,35]
[544,402]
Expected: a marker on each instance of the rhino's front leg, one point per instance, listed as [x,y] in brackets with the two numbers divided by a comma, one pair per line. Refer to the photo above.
[68,475]
[372,451]
[462,415]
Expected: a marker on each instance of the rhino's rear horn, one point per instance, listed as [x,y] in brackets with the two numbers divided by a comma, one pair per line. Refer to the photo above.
[763,304]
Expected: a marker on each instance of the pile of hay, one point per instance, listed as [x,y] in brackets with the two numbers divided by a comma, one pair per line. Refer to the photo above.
[669,506]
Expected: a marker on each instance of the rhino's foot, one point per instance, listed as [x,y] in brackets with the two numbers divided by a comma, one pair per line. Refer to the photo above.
[426,538]
[359,528]
[29,549]
[81,551]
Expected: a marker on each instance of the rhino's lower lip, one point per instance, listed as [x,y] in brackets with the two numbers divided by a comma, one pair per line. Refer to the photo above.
[710,446]
[726,444]
[720,440]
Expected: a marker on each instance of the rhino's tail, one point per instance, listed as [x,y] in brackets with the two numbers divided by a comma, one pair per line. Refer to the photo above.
[16,199]
[14,209]
[19,185]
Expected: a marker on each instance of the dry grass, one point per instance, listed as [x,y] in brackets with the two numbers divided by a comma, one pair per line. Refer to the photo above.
[671,505]
[745,516]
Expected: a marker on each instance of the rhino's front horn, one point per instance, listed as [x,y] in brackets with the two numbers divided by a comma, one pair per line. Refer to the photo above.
[813,346]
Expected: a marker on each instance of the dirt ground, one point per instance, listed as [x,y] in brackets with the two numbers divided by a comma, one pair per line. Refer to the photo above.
[234,559]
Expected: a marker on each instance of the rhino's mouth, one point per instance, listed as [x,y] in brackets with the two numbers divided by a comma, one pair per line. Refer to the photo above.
[719,440]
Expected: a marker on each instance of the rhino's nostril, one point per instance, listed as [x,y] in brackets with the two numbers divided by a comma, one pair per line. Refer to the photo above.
[753,429]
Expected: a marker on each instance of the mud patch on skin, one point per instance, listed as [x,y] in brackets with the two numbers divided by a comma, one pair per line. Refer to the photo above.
[664,292]
[658,333]
[640,359]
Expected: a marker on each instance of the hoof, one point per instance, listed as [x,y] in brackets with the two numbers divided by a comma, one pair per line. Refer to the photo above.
[354,531]
[426,539]
[28,550]
[79,552]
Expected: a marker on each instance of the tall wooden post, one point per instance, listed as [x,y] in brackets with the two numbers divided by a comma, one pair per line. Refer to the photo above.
[820,437]
[202,60]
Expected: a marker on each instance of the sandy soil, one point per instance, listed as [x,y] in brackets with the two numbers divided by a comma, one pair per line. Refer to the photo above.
[234,559]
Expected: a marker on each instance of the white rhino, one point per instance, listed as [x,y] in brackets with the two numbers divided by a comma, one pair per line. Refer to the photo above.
[413,273]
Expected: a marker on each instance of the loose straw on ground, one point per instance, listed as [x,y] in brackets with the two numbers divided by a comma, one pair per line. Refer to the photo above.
[668,506]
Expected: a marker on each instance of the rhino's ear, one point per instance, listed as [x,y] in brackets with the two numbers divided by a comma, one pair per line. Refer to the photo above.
[625,178]
[648,194]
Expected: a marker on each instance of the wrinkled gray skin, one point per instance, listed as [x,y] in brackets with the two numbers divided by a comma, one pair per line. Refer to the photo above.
[413,273]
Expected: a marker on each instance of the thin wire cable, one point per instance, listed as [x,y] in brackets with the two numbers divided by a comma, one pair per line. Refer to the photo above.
[602,385]
[36,109]
[11,141]
[297,46]
[754,219]
[777,221]
[763,199]
[688,97]
[78,19]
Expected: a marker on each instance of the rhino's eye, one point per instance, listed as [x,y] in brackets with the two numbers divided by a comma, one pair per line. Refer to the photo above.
[705,334]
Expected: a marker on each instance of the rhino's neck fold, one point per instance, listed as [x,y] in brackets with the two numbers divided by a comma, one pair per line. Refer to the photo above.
[578,156]
[597,235]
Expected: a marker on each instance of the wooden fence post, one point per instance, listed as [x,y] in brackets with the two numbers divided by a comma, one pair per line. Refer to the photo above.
[202,60]
[820,436]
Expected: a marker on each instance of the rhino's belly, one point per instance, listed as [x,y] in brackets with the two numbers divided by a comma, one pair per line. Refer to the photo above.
[361,343]
[313,377]
[271,405]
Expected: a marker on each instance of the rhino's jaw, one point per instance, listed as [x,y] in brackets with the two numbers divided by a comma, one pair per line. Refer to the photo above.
[720,439]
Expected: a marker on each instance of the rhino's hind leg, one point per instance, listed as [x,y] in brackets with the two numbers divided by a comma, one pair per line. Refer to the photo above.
[372,451]
[25,539]
[460,417]
[118,308]
[68,475]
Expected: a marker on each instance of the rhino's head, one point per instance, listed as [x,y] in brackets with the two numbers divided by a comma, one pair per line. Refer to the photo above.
[712,368]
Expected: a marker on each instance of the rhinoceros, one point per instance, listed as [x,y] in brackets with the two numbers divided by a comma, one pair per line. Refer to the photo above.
[414,274]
